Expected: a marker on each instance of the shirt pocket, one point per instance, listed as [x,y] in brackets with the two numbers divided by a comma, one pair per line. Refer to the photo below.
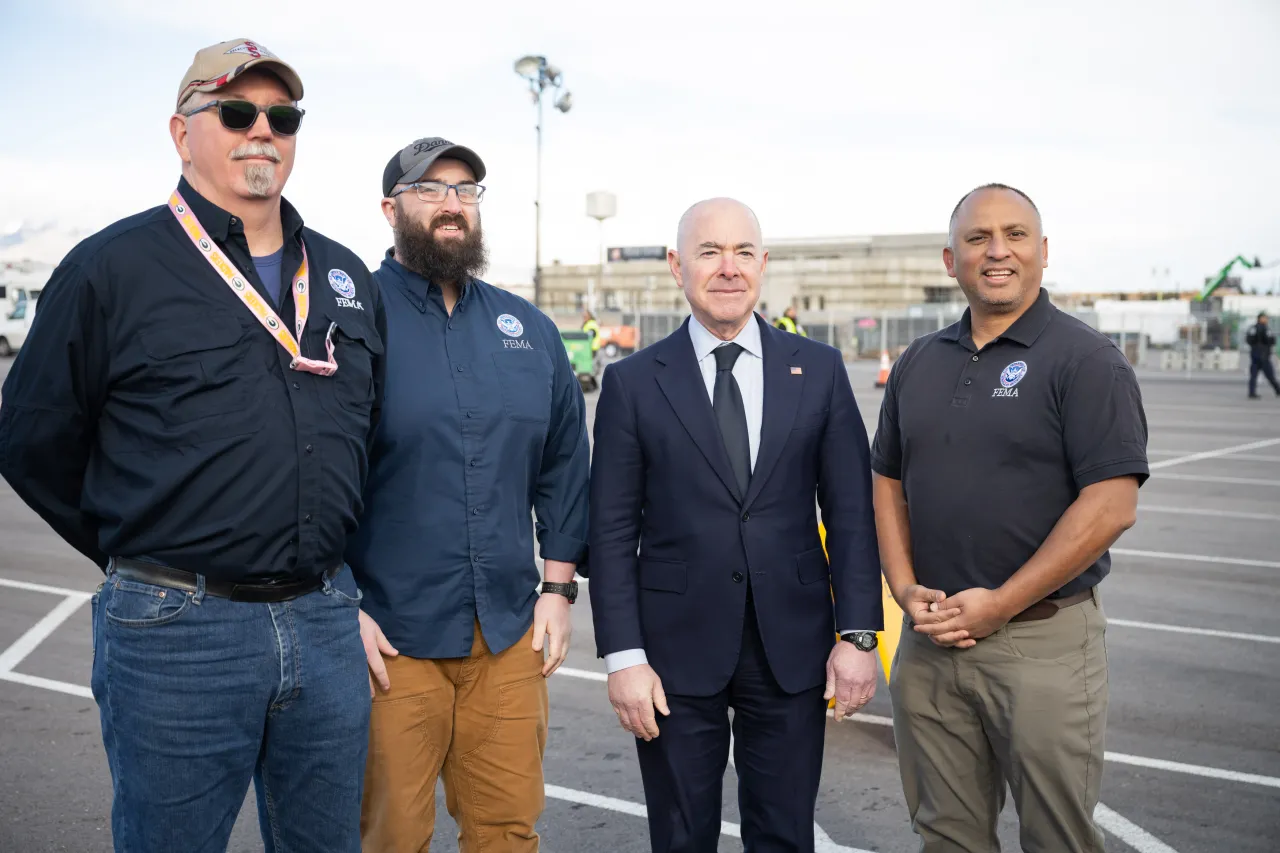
[198,370]
[524,377]
[348,394]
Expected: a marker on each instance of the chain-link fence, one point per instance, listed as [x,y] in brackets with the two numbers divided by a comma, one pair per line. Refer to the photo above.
[1158,337]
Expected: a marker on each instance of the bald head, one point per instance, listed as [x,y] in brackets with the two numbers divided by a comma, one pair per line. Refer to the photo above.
[719,263]
[697,217]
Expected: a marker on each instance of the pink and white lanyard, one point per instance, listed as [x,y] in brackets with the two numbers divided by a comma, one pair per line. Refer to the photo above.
[252,299]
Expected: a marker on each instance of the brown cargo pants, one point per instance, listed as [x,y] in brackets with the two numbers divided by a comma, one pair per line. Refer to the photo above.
[1026,706]
[482,720]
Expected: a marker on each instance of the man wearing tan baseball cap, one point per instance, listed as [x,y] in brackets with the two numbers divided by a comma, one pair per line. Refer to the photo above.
[219,64]
[191,414]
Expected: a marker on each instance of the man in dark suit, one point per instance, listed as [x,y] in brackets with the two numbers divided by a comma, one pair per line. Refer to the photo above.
[710,589]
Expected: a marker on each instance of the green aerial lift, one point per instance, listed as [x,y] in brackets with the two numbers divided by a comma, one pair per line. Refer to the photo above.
[1216,281]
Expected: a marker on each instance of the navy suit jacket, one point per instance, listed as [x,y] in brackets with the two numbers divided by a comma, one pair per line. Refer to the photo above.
[670,533]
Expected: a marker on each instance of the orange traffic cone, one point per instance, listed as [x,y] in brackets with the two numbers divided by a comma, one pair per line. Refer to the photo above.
[883,379]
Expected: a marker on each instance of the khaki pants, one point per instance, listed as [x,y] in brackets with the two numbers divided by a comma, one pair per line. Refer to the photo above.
[1027,706]
[480,719]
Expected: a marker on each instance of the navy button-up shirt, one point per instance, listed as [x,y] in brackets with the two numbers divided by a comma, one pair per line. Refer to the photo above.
[482,426]
[150,415]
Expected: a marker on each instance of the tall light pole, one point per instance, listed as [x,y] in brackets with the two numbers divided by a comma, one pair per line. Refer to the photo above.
[600,206]
[541,76]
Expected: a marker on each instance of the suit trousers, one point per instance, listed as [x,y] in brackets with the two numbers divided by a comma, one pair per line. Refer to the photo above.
[778,741]
[482,720]
[1026,707]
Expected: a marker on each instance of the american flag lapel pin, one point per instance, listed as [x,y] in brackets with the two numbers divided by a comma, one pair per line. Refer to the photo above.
[796,370]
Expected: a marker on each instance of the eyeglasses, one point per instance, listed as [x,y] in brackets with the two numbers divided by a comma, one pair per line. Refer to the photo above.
[437,191]
[240,115]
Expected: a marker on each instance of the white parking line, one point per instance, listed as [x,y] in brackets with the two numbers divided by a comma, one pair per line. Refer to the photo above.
[1196,558]
[1235,457]
[1217,410]
[1209,478]
[49,590]
[1212,513]
[1203,632]
[27,643]
[1213,454]
[613,804]
[1117,757]
[47,684]
[1194,770]
[1129,832]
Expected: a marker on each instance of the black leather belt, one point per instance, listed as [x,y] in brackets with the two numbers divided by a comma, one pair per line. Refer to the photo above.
[1047,607]
[263,591]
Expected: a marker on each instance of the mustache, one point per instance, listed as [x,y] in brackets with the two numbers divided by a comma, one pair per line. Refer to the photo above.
[441,219]
[256,149]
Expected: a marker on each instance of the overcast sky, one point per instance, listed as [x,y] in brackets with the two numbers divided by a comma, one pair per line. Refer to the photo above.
[1147,132]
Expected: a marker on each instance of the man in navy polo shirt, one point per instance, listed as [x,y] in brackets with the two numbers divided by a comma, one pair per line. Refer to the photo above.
[483,426]
[1008,458]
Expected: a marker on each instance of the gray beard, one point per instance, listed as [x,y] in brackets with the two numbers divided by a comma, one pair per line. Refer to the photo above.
[260,178]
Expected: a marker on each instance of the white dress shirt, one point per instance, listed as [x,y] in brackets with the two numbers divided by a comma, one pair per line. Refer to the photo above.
[748,370]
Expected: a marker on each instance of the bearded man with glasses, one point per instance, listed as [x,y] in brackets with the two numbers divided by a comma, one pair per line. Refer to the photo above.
[483,426]
[191,413]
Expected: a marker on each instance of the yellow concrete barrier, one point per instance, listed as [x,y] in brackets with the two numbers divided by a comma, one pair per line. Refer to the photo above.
[888,638]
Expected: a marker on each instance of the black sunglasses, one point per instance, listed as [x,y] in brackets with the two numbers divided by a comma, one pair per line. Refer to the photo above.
[240,115]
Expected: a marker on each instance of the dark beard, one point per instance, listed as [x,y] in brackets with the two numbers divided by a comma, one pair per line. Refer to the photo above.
[454,261]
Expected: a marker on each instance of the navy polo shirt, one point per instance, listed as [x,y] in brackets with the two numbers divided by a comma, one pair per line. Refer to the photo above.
[993,445]
[483,426]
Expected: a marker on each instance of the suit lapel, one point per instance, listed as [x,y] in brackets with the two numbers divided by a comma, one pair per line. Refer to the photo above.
[681,381]
[781,397]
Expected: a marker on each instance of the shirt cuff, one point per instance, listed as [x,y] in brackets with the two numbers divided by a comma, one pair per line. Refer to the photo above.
[561,547]
[625,660]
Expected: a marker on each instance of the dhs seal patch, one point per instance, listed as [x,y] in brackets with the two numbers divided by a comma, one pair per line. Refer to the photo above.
[510,326]
[1013,374]
[342,284]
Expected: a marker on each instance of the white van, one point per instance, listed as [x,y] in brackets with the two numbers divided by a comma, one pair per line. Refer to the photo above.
[14,326]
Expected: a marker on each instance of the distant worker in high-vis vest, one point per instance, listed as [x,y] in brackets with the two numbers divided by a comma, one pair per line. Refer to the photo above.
[787,322]
[592,328]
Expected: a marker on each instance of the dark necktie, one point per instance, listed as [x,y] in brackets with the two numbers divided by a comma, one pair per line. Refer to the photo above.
[731,415]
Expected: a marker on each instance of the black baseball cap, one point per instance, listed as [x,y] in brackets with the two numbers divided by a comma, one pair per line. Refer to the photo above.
[410,163]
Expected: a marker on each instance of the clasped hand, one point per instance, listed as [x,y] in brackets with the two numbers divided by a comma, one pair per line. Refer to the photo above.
[959,621]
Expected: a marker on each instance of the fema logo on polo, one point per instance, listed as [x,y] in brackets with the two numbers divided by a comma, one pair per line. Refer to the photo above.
[1010,377]
[342,284]
[509,325]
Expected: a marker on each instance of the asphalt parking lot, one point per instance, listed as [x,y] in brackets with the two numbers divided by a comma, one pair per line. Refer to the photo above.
[1194,732]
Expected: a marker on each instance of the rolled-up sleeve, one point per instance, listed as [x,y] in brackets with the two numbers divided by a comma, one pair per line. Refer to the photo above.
[1104,426]
[561,498]
[51,400]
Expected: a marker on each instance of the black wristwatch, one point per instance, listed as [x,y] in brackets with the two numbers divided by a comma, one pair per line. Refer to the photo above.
[568,590]
[864,640]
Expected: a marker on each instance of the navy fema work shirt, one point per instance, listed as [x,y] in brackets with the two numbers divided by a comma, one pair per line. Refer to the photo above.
[483,424]
[150,415]
[992,446]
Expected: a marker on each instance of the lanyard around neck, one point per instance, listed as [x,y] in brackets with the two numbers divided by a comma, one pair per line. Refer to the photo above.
[252,300]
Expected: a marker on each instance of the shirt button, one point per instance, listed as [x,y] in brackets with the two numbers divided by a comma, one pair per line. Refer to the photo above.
[459,368]
[472,463]
[975,358]
[746,516]
[310,448]
[296,386]
[468,415]
[475,511]
[968,382]
[737,577]
[307,518]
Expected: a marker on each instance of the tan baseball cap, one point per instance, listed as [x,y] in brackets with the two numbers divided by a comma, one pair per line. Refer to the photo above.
[217,65]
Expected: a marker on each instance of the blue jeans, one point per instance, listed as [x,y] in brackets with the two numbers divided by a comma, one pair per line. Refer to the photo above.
[199,694]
